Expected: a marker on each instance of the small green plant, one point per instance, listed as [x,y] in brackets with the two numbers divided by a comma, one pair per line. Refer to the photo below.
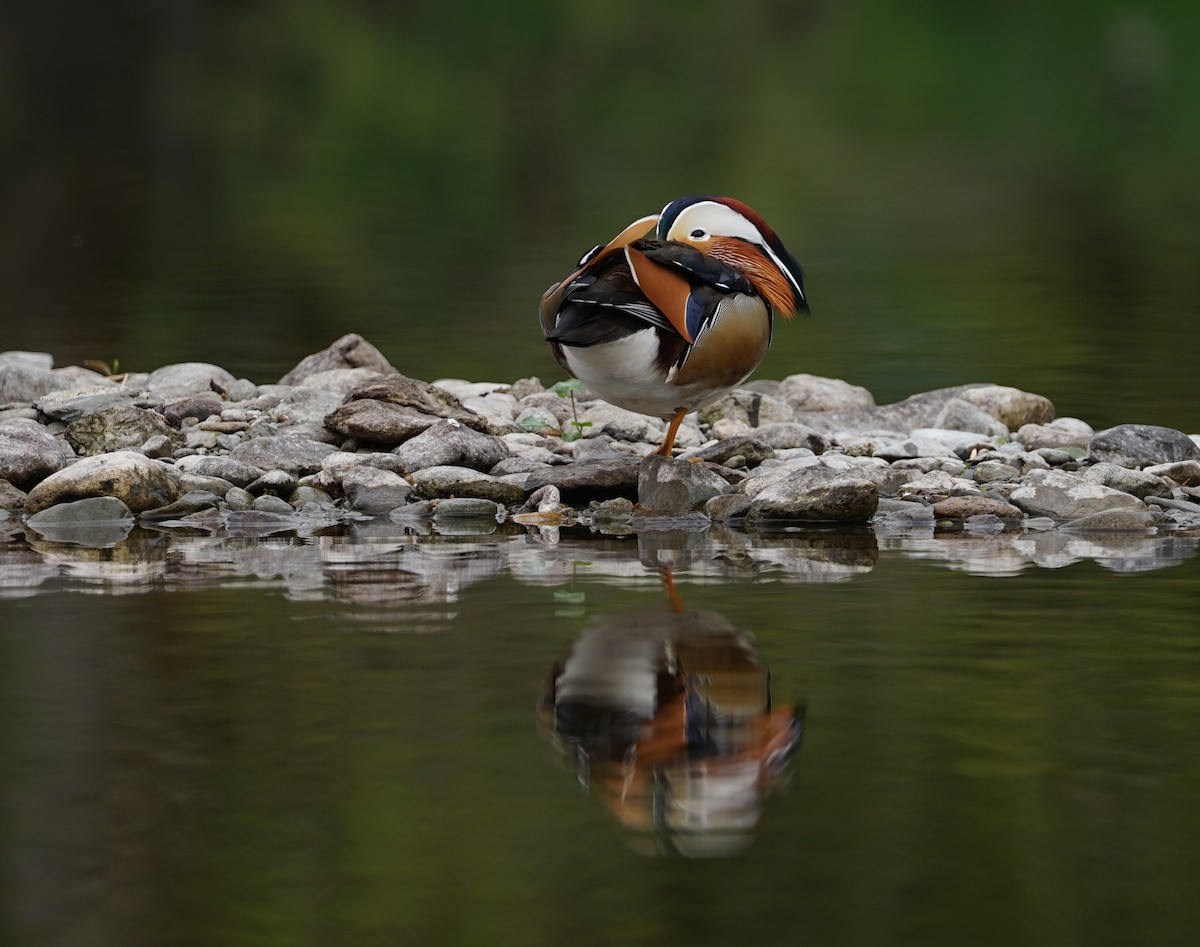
[567,389]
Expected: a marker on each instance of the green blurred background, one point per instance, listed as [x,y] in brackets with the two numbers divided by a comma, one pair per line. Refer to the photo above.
[978,191]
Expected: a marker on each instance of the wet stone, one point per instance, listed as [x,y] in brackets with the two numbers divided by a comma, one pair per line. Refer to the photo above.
[1115,520]
[666,485]
[1065,496]
[189,503]
[374,491]
[466,507]
[268,503]
[962,508]
[440,482]
[277,482]
[141,483]
[226,468]
[449,443]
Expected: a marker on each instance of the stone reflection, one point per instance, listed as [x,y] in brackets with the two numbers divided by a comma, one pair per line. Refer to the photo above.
[668,719]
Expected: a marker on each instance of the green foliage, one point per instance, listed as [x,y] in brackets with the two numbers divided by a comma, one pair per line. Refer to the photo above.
[567,389]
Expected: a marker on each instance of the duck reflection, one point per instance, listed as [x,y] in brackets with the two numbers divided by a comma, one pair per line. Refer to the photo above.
[669,718]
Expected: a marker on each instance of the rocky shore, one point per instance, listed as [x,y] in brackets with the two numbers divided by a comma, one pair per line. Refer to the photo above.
[345,436]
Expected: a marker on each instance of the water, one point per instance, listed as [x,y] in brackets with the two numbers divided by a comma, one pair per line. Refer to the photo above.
[324,739]
[309,738]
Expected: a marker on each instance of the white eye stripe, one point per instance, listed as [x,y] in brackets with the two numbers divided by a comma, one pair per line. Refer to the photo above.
[714,218]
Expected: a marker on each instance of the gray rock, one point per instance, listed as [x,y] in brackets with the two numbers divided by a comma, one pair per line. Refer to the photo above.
[1007,405]
[119,427]
[341,381]
[1118,520]
[588,480]
[88,510]
[292,452]
[1061,432]
[187,378]
[74,403]
[813,393]
[600,417]
[94,522]
[189,503]
[1065,496]
[1184,472]
[226,468]
[159,445]
[29,453]
[279,483]
[750,450]
[304,405]
[958,414]
[200,406]
[393,408]
[676,486]
[374,491]
[726,507]
[11,497]
[983,524]
[466,508]
[789,435]
[449,443]
[440,482]
[1141,445]
[1137,482]
[349,352]
[816,494]
[749,407]
[241,390]
[962,508]
[39,360]
[994,471]
[141,483]
[238,499]
[24,381]
[269,503]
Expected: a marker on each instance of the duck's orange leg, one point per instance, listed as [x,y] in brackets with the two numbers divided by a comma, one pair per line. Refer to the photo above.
[664,449]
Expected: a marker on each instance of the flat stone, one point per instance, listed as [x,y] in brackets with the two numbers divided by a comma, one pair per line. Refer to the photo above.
[816,494]
[1137,482]
[1064,496]
[751,450]
[589,480]
[962,508]
[138,481]
[1184,472]
[1011,406]
[449,443]
[292,452]
[1141,445]
[349,352]
[200,406]
[466,507]
[1061,432]
[29,453]
[1117,520]
[191,502]
[119,427]
[790,435]
[269,503]
[666,485]
[393,408]
[74,403]
[441,482]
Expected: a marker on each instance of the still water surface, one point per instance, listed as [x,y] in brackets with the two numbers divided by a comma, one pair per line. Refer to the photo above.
[247,739]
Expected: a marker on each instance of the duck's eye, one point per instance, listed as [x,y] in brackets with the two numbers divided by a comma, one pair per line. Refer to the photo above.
[697,234]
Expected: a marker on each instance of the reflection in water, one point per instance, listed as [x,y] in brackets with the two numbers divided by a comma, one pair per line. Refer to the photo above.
[668,717]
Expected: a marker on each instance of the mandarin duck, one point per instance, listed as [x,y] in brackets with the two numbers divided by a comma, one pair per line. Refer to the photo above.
[674,311]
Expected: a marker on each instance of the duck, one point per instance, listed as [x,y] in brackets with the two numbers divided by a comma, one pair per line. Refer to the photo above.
[676,310]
